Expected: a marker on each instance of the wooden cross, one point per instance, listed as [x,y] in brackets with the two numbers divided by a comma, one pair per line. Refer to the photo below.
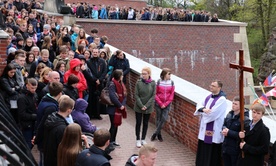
[241,68]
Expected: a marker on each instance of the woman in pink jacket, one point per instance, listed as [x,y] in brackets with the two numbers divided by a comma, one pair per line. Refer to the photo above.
[163,99]
[75,65]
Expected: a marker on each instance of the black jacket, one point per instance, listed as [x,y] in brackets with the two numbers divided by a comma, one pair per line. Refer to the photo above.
[54,128]
[27,108]
[231,142]
[93,156]
[7,91]
[98,70]
[122,64]
[256,146]
[71,92]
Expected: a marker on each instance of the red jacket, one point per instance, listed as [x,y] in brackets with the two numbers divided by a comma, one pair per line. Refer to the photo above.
[82,85]
[164,92]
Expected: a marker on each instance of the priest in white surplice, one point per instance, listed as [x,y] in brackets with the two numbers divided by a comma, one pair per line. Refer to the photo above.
[211,112]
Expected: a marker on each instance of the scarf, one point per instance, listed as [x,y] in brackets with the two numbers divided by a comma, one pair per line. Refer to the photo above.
[147,81]
[121,91]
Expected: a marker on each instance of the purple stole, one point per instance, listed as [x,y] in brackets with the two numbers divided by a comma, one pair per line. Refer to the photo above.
[210,126]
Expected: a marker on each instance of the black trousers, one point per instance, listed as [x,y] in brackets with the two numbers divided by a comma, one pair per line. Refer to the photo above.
[113,129]
[139,118]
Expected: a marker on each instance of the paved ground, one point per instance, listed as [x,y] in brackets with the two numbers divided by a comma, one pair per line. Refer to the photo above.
[170,152]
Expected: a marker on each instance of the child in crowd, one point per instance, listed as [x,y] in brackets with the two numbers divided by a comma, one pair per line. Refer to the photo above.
[80,117]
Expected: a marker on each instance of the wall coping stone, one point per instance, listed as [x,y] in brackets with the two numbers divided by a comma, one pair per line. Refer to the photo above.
[221,23]
[3,34]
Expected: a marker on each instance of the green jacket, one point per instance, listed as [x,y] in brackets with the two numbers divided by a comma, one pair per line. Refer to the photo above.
[144,96]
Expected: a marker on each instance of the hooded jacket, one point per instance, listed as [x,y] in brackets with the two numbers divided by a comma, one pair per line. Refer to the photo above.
[54,126]
[93,156]
[80,117]
[82,85]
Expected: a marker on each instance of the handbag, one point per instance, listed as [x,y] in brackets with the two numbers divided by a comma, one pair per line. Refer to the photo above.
[117,118]
[104,97]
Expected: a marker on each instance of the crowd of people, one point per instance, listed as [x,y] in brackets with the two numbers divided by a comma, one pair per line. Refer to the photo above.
[86,10]
[54,78]
[101,11]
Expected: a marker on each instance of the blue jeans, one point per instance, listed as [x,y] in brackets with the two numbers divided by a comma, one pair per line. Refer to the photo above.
[28,136]
[161,117]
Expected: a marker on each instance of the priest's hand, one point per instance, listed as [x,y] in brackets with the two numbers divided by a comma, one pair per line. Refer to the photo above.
[225,131]
[207,110]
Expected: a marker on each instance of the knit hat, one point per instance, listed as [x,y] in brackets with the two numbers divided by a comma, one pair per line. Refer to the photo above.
[47,26]
[11,50]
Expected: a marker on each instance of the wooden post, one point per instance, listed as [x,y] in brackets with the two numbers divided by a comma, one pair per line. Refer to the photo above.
[241,68]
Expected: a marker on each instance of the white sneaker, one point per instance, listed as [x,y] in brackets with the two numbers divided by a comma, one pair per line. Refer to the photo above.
[138,144]
[144,142]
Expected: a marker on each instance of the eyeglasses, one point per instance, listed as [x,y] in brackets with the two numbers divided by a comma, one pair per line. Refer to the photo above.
[144,73]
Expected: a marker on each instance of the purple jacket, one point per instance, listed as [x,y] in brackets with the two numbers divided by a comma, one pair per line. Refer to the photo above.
[81,117]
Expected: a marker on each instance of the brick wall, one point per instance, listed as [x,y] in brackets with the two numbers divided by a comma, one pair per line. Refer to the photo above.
[196,52]
[181,125]
[3,47]
[135,4]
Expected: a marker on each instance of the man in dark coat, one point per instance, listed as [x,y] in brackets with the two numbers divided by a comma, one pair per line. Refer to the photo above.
[98,69]
[54,126]
[96,154]
[27,108]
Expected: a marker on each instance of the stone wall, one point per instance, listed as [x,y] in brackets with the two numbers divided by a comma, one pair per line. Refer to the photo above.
[196,52]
